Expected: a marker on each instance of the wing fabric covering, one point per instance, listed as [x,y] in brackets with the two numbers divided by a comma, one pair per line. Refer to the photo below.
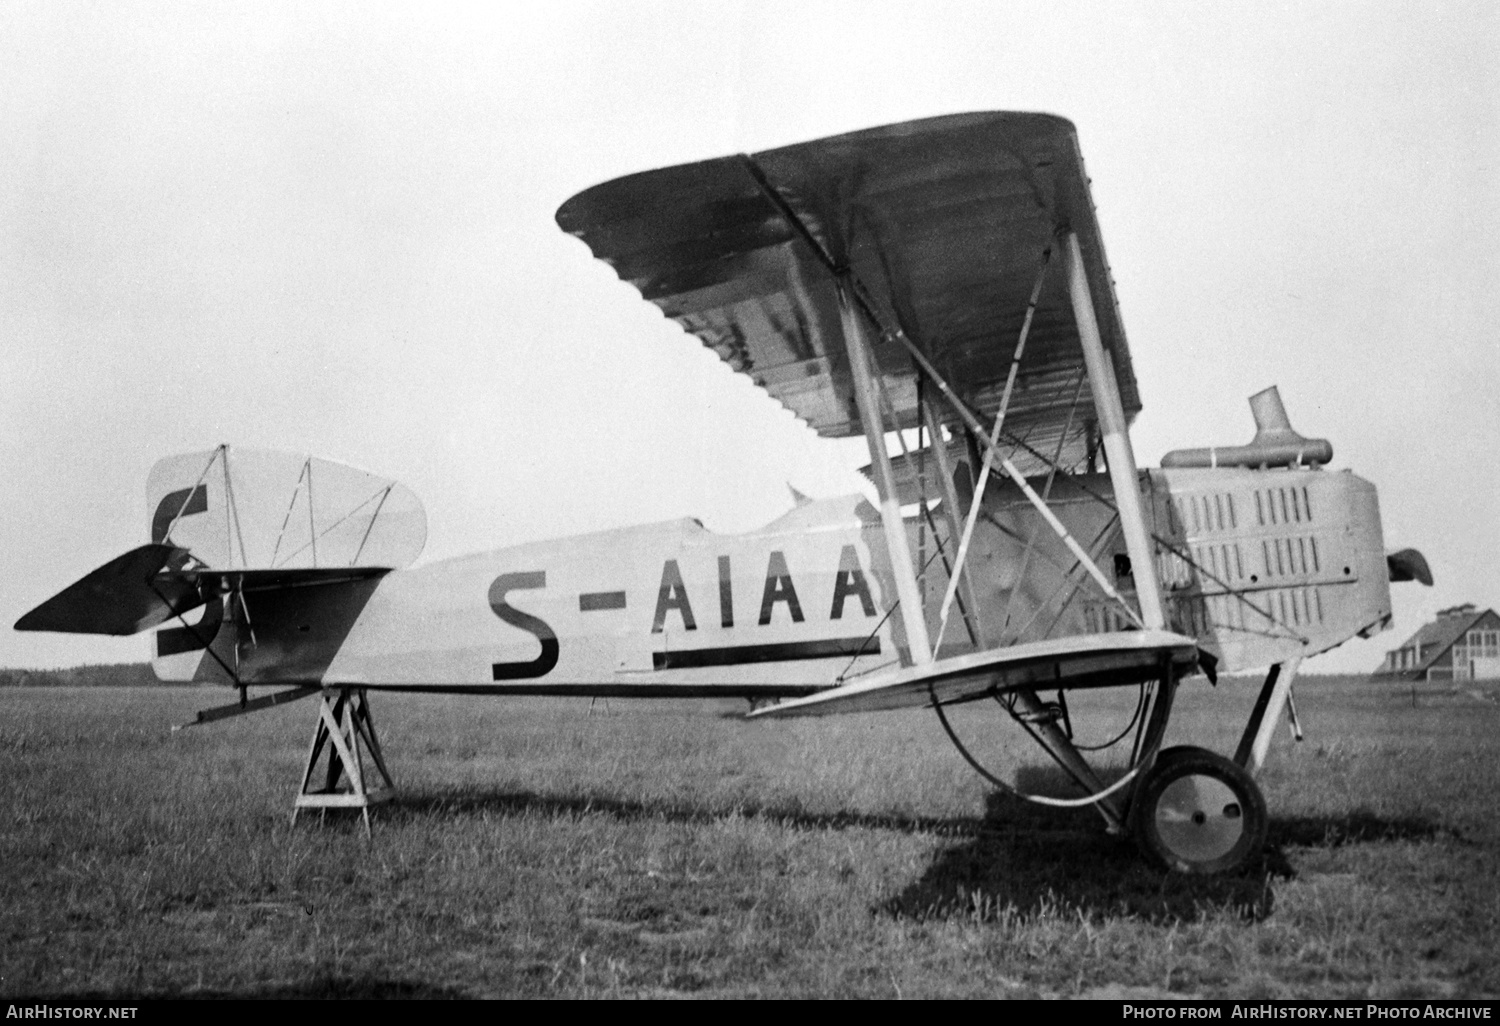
[1097,660]
[943,224]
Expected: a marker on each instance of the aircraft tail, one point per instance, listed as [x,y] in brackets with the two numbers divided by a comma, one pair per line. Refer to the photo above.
[259,563]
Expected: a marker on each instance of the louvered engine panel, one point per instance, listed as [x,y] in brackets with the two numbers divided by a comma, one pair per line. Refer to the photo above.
[1263,565]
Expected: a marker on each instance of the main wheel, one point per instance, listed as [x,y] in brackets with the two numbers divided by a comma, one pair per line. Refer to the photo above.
[1197,812]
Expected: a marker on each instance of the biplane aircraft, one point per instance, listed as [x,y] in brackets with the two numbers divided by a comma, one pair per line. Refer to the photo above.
[939,287]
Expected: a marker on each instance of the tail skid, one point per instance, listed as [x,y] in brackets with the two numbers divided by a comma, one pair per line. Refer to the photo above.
[224,712]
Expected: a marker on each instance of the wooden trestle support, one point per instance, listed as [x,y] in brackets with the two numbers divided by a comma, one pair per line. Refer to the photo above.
[345,730]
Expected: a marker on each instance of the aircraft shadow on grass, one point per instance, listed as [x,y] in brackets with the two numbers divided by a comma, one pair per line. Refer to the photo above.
[1020,859]
[1028,860]
[512,803]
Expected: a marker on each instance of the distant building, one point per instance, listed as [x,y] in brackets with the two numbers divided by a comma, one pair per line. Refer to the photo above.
[1461,644]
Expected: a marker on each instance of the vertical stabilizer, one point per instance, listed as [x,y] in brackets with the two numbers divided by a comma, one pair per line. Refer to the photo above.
[261,511]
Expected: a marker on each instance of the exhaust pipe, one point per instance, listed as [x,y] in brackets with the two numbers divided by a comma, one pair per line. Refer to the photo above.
[1275,443]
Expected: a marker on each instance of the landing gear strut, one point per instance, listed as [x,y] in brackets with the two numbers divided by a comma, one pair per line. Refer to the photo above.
[1189,810]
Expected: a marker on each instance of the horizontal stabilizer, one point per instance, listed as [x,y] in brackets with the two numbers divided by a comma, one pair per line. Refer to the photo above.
[1091,660]
[251,581]
[124,596]
[264,626]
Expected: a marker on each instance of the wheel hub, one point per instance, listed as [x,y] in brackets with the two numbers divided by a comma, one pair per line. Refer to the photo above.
[1199,818]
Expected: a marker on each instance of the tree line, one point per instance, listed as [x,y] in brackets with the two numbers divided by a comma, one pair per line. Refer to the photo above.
[94,676]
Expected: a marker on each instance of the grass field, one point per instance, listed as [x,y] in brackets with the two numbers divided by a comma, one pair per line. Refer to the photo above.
[649,849]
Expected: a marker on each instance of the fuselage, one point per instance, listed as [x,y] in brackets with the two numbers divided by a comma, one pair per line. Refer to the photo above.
[1258,565]
[660,609]
[669,608]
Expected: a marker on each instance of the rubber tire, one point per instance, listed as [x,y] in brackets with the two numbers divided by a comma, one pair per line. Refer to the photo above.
[1168,838]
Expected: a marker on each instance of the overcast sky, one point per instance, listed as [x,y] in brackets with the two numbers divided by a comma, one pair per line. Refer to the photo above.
[328,228]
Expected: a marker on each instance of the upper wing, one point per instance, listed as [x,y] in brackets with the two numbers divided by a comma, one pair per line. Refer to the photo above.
[943,224]
[1083,661]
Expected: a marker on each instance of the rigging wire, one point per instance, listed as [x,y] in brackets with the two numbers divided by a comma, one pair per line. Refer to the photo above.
[207,643]
[380,492]
[1140,705]
[1060,803]
[876,629]
[1171,547]
[862,297]
[926,510]
[1046,494]
[167,537]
